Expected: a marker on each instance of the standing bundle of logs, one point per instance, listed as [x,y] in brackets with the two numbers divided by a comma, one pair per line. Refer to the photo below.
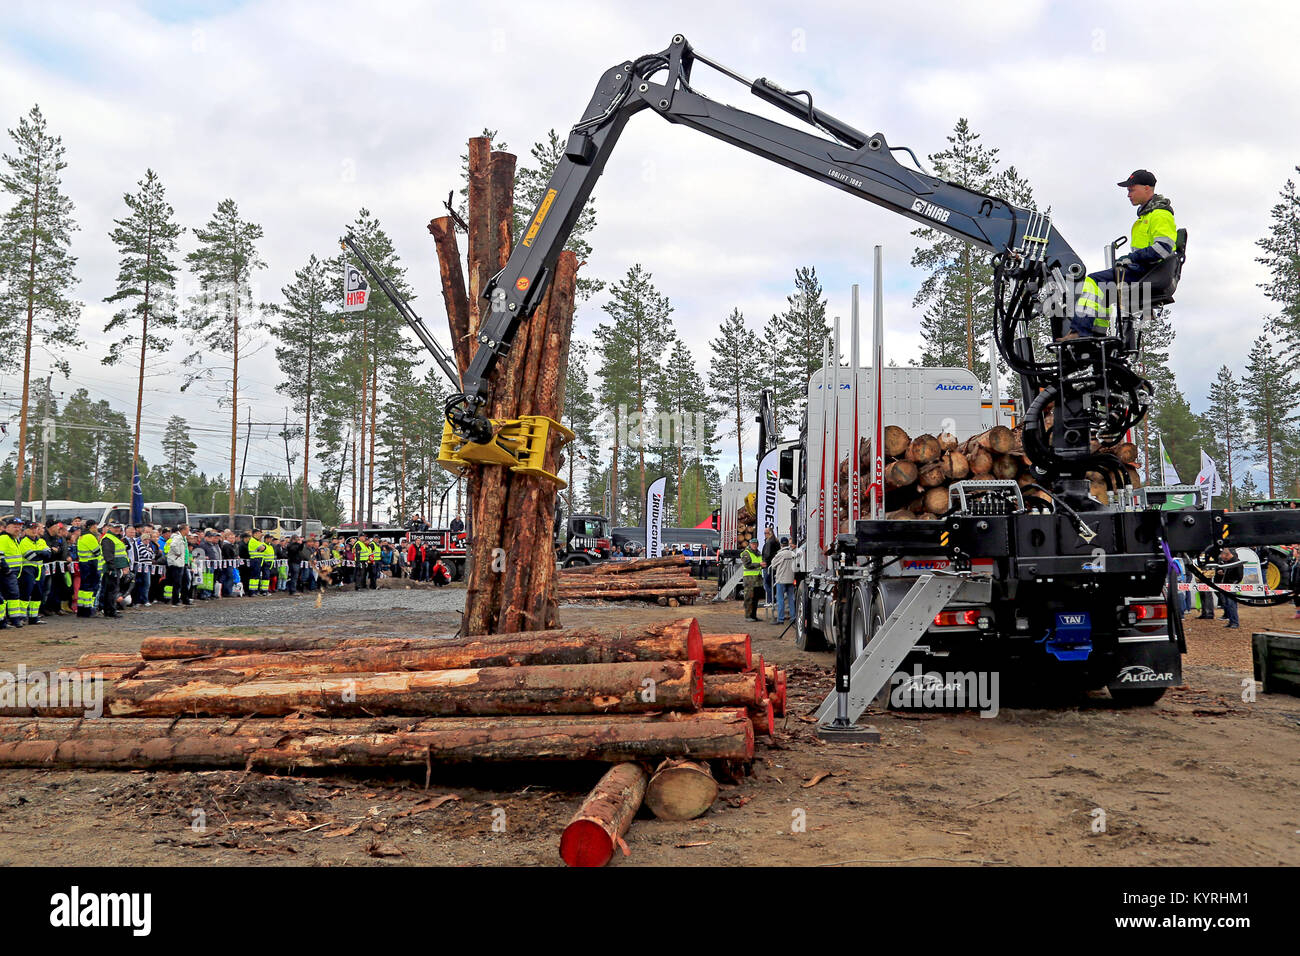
[919,471]
[512,514]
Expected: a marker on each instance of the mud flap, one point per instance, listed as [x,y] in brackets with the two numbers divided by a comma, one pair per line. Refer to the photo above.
[1142,664]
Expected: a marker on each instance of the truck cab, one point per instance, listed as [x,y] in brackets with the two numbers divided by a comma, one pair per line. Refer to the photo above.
[582,539]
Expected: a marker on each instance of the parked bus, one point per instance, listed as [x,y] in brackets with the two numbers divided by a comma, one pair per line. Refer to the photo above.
[166,514]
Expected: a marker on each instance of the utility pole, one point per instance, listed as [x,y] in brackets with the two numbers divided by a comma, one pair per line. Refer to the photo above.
[47,426]
[244,464]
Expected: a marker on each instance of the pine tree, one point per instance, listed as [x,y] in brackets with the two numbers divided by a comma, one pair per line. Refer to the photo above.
[1153,365]
[223,264]
[1247,490]
[36,265]
[957,293]
[683,423]
[630,349]
[178,454]
[305,347]
[1183,433]
[728,385]
[146,275]
[579,416]
[1268,393]
[1282,257]
[799,333]
[1227,426]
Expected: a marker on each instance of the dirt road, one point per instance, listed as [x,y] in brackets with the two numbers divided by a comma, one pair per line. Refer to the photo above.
[1201,778]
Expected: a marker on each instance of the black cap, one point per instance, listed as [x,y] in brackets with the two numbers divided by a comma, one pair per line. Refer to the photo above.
[1139,177]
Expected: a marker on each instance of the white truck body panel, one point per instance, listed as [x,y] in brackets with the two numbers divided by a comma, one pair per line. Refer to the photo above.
[918,400]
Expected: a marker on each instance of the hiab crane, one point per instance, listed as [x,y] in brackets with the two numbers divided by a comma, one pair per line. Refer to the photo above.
[1069,577]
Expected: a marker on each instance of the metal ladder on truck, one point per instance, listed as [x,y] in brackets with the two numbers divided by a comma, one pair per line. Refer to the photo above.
[888,647]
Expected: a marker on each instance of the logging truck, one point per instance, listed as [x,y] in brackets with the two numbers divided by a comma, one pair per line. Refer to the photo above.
[1053,634]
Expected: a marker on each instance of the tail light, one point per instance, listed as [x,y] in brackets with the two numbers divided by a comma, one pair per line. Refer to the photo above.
[957,618]
[1146,616]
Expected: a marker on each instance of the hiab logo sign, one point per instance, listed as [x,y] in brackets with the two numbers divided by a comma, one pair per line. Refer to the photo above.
[931,210]
[355,290]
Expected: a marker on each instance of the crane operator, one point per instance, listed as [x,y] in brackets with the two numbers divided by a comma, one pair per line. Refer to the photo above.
[1153,240]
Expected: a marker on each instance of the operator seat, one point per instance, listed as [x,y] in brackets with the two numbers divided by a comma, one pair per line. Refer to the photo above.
[1161,281]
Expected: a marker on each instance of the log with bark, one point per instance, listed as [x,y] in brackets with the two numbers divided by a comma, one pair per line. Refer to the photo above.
[636,687]
[681,790]
[728,652]
[147,743]
[597,829]
[728,689]
[662,641]
[665,640]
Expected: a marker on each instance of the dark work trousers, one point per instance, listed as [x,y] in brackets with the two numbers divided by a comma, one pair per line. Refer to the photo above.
[88,589]
[108,599]
[175,581]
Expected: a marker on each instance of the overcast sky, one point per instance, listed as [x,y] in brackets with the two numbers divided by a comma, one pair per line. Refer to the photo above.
[306,112]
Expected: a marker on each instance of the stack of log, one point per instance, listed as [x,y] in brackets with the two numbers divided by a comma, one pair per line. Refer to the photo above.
[529,381]
[666,581]
[609,694]
[660,697]
[920,470]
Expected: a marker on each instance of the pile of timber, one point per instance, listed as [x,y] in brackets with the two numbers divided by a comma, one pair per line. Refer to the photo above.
[920,470]
[658,701]
[666,581]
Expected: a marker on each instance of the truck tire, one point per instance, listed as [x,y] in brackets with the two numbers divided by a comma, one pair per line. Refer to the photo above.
[1138,696]
[457,570]
[806,637]
[576,560]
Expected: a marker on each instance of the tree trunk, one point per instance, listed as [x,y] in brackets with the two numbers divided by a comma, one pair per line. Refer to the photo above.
[681,790]
[636,687]
[665,641]
[372,742]
[745,689]
[727,652]
[234,409]
[597,829]
[20,469]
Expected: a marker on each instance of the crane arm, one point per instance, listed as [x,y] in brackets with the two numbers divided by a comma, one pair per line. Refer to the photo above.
[837,154]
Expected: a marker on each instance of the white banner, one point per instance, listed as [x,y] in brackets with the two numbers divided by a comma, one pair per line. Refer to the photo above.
[1168,473]
[768,473]
[1209,475]
[356,291]
[654,518]
[1245,588]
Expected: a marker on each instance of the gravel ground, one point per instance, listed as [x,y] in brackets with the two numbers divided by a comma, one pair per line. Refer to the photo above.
[405,606]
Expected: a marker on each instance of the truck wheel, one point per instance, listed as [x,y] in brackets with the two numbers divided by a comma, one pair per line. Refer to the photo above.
[806,637]
[457,570]
[578,561]
[1137,697]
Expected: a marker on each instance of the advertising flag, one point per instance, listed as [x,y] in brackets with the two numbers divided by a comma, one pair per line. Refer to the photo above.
[356,291]
[654,518]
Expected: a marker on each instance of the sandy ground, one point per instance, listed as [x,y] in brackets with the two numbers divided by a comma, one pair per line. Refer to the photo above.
[1203,777]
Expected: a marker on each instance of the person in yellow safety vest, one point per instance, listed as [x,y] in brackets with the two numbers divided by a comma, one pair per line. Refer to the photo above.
[35,553]
[11,566]
[1153,239]
[258,568]
[751,560]
[114,560]
[364,552]
[90,560]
